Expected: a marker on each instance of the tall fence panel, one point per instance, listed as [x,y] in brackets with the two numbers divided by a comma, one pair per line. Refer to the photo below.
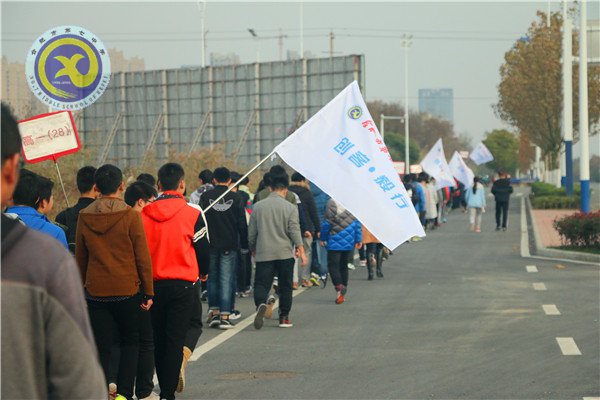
[249,108]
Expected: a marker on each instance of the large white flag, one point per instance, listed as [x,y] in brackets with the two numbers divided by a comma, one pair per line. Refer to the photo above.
[461,171]
[341,151]
[435,164]
[481,154]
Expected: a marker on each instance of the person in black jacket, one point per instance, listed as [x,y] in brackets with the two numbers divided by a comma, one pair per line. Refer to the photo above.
[88,193]
[228,231]
[300,186]
[502,190]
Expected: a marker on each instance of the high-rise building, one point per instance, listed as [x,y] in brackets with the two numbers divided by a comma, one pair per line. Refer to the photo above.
[437,103]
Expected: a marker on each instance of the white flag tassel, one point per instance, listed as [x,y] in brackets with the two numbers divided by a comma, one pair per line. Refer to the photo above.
[481,154]
[435,164]
[461,171]
[341,151]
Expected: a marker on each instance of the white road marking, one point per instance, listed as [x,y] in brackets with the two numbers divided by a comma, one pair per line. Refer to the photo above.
[539,286]
[228,334]
[532,268]
[568,346]
[550,309]
[591,398]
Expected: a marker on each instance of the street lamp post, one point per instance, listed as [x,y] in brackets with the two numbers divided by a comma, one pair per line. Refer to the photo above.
[255,36]
[406,43]
[584,165]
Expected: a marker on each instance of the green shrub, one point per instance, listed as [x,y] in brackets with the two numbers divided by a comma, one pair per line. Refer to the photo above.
[580,229]
[555,202]
[547,189]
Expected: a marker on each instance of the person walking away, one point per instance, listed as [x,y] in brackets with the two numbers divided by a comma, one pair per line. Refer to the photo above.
[87,194]
[205,177]
[321,199]
[300,186]
[423,191]
[48,348]
[28,202]
[228,231]
[114,261]
[171,226]
[137,196]
[374,253]
[475,197]
[431,204]
[341,233]
[501,189]
[274,238]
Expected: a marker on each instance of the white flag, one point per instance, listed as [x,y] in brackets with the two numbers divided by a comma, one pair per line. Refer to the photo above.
[341,151]
[461,171]
[481,154]
[435,165]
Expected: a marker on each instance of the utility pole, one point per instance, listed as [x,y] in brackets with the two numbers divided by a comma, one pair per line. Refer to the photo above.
[331,38]
[567,84]
[280,43]
[202,8]
[584,165]
[301,30]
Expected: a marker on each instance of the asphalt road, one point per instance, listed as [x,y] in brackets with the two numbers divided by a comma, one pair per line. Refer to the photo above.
[456,317]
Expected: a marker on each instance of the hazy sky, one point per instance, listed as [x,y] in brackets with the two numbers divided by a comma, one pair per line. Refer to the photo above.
[455,45]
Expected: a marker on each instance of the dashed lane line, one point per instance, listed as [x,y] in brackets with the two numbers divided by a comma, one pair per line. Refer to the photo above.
[550,309]
[568,346]
[532,268]
[539,286]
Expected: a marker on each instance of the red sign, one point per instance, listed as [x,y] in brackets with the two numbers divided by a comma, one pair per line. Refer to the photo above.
[49,136]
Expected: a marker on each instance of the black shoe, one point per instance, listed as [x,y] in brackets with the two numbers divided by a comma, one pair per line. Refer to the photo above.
[370,276]
[225,324]
[379,273]
[497,228]
[214,321]
[259,319]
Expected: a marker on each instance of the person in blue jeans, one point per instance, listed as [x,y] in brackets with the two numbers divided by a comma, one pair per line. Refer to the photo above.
[321,199]
[228,232]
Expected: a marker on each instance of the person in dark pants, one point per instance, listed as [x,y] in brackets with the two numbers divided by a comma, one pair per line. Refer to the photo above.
[137,196]
[340,233]
[115,265]
[273,232]
[88,193]
[501,189]
[172,227]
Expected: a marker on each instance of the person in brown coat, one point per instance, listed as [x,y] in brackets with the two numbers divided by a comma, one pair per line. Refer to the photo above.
[116,268]
[374,253]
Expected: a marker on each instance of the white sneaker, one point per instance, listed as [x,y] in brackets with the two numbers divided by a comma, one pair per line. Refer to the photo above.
[351,266]
[363,263]
[235,314]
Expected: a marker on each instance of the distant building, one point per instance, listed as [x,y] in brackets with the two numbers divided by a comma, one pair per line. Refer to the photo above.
[17,94]
[437,102]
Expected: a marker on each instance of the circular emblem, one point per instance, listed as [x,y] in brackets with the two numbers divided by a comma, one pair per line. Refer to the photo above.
[355,112]
[68,68]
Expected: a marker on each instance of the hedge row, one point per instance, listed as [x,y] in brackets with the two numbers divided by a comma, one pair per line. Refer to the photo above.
[547,189]
[555,202]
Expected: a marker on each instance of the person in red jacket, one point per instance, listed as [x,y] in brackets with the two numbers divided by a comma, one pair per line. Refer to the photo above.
[172,226]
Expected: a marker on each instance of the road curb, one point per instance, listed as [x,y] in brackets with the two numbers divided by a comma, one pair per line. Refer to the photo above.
[541,250]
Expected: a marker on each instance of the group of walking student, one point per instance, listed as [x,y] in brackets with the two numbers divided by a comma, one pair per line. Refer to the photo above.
[433,204]
[114,287]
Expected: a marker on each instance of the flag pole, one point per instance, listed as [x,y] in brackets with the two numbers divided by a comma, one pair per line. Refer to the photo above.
[230,188]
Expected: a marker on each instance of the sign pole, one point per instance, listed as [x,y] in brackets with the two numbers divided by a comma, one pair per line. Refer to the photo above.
[62,184]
